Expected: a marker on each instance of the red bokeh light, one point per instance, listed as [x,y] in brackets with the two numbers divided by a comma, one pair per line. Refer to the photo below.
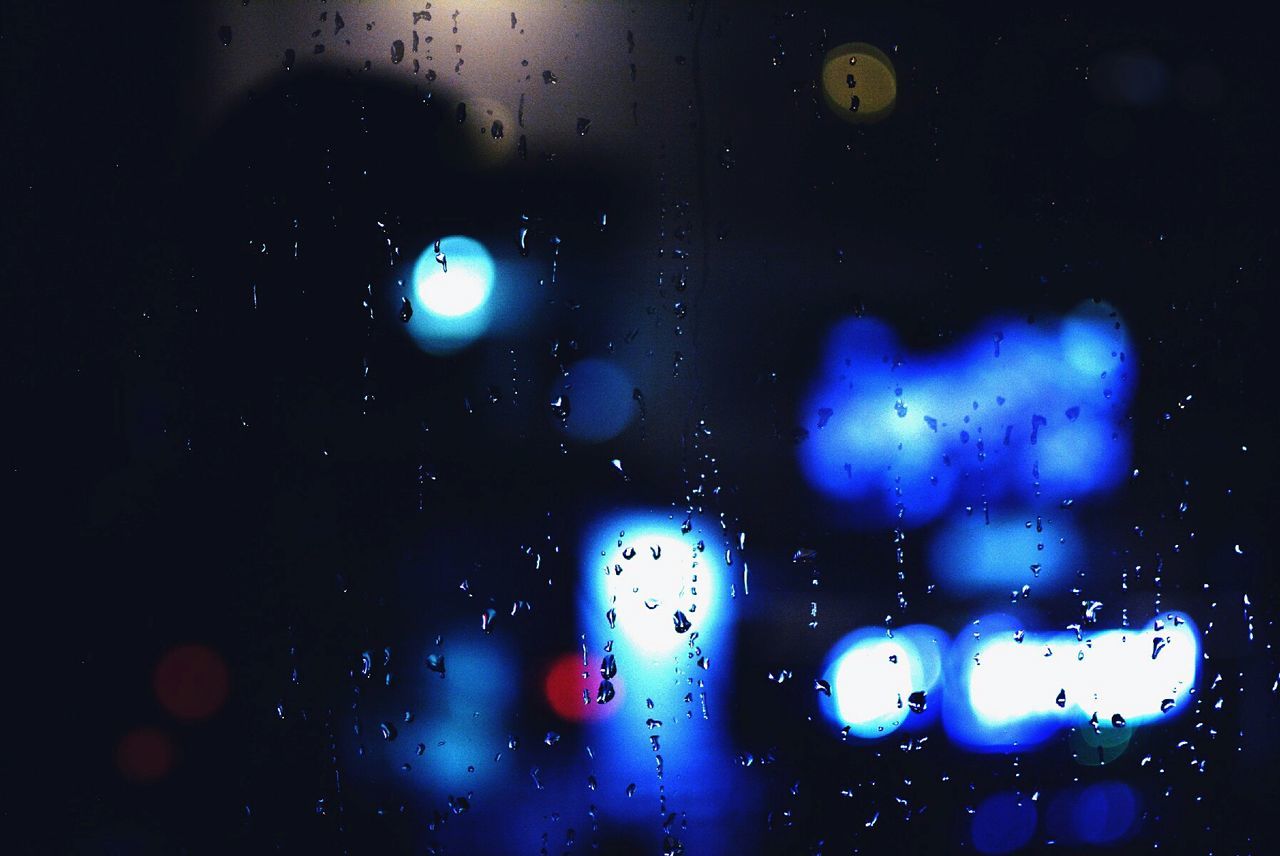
[144,755]
[192,682]
[564,686]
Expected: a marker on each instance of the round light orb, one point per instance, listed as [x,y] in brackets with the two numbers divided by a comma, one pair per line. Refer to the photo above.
[859,84]
[449,302]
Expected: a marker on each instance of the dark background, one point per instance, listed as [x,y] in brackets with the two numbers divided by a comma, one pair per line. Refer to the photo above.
[165,461]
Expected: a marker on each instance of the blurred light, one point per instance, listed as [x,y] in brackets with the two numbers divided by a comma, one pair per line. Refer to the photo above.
[191,682]
[144,755]
[1105,813]
[490,129]
[457,292]
[655,595]
[1091,748]
[450,294]
[467,729]
[973,556]
[1017,693]
[859,83]
[1100,814]
[880,681]
[594,400]
[1003,823]
[1018,410]
[565,687]
[655,579]
[999,687]
[1135,78]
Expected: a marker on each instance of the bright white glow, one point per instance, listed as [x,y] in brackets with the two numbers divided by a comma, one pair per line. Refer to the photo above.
[455,282]
[1013,681]
[873,675]
[1108,673]
[1119,674]
[646,570]
[1000,692]
[870,687]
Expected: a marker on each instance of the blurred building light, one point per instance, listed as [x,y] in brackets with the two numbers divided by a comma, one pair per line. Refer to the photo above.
[467,728]
[654,605]
[879,680]
[974,555]
[1001,688]
[1016,688]
[1017,410]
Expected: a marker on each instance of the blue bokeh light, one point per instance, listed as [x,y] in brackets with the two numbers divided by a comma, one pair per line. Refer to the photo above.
[998,688]
[1004,823]
[1016,687]
[640,567]
[1100,814]
[975,555]
[1105,812]
[595,398]
[873,674]
[1018,409]
[450,294]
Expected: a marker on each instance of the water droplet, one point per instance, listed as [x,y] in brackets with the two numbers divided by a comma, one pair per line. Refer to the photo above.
[917,702]
[681,622]
[605,693]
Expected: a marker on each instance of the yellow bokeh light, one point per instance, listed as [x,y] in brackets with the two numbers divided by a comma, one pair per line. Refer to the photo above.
[859,83]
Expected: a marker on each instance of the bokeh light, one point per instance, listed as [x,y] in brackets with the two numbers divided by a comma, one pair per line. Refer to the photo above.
[1105,813]
[1004,823]
[1133,77]
[145,755]
[859,83]
[973,555]
[448,303]
[1017,687]
[1099,814]
[880,681]
[652,582]
[1018,409]
[655,604]
[192,682]
[593,401]
[576,698]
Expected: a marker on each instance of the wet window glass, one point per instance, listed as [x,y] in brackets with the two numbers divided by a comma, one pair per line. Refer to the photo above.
[693,427]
